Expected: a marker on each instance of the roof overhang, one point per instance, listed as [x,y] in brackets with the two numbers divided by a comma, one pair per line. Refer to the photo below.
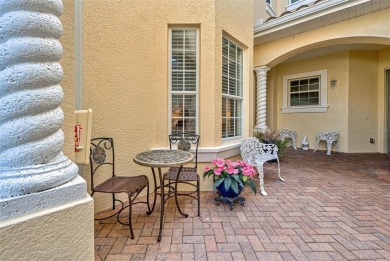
[315,16]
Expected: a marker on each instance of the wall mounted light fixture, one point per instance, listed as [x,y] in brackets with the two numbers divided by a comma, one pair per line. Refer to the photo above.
[333,82]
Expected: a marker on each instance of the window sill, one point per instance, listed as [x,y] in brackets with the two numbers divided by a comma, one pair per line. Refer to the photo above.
[207,154]
[303,109]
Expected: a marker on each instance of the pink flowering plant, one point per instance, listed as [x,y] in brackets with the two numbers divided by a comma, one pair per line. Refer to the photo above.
[233,175]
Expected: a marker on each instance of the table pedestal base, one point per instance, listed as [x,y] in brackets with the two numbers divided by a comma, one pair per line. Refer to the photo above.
[229,200]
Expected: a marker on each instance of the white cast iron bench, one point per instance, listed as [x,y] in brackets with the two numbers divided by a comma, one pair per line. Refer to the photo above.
[287,133]
[329,137]
[256,153]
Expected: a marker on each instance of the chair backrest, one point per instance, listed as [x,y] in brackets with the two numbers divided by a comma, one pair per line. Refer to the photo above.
[250,147]
[287,133]
[328,135]
[185,141]
[256,153]
[101,157]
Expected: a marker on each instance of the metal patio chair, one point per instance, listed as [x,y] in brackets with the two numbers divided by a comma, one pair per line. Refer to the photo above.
[102,162]
[188,175]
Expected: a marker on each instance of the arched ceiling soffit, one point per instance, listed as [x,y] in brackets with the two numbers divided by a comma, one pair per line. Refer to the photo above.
[289,53]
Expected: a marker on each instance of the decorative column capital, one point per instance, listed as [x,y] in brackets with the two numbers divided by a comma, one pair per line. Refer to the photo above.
[261,69]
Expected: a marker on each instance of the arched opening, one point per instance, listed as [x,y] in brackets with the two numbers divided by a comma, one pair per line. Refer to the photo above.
[352,97]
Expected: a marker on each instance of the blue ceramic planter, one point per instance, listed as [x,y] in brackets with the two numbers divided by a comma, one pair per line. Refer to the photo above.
[230,192]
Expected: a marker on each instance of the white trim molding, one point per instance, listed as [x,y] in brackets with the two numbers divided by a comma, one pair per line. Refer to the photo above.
[305,19]
[297,4]
[207,154]
[322,107]
[270,10]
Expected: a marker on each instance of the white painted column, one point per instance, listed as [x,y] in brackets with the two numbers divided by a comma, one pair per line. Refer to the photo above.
[45,211]
[31,138]
[261,99]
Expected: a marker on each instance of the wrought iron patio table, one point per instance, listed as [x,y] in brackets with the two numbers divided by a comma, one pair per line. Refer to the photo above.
[162,159]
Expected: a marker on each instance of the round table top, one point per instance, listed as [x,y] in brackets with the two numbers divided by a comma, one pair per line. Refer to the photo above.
[163,158]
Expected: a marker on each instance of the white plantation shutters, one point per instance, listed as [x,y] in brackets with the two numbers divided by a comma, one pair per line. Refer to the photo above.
[184,79]
[232,59]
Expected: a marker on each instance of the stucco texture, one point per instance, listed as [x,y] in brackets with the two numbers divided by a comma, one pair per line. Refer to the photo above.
[383,126]
[125,69]
[67,83]
[61,233]
[363,101]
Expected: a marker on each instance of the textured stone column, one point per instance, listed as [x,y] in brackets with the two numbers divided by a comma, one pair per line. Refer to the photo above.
[261,99]
[45,211]
[31,139]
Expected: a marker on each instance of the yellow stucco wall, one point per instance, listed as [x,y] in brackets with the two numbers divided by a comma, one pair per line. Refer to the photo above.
[362,101]
[125,59]
[383,118]
[260,11]
[58,233]
[67,83]
[308,124]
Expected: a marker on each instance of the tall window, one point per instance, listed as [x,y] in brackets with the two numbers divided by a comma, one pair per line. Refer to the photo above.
[232,59]
[183,79]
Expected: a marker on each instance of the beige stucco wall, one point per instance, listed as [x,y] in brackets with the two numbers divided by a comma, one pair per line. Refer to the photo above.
[363,101]
[67,83]
[59,233]
[260,12]
[308,124]
[125,59]
[383,118]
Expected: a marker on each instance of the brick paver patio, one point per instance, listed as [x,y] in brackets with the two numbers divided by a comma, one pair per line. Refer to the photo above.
[330,208]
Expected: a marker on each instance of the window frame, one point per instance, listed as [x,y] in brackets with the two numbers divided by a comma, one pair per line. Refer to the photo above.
[269,7]
[229,96]
[323,92]
[170,91]
[291,6]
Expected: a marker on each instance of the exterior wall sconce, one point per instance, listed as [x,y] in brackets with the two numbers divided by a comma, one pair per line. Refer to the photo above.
[333,82]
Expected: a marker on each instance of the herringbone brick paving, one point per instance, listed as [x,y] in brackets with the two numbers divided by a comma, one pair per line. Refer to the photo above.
[330,208]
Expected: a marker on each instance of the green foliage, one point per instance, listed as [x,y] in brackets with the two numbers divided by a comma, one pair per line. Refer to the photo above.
[274,138]
[233,175]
